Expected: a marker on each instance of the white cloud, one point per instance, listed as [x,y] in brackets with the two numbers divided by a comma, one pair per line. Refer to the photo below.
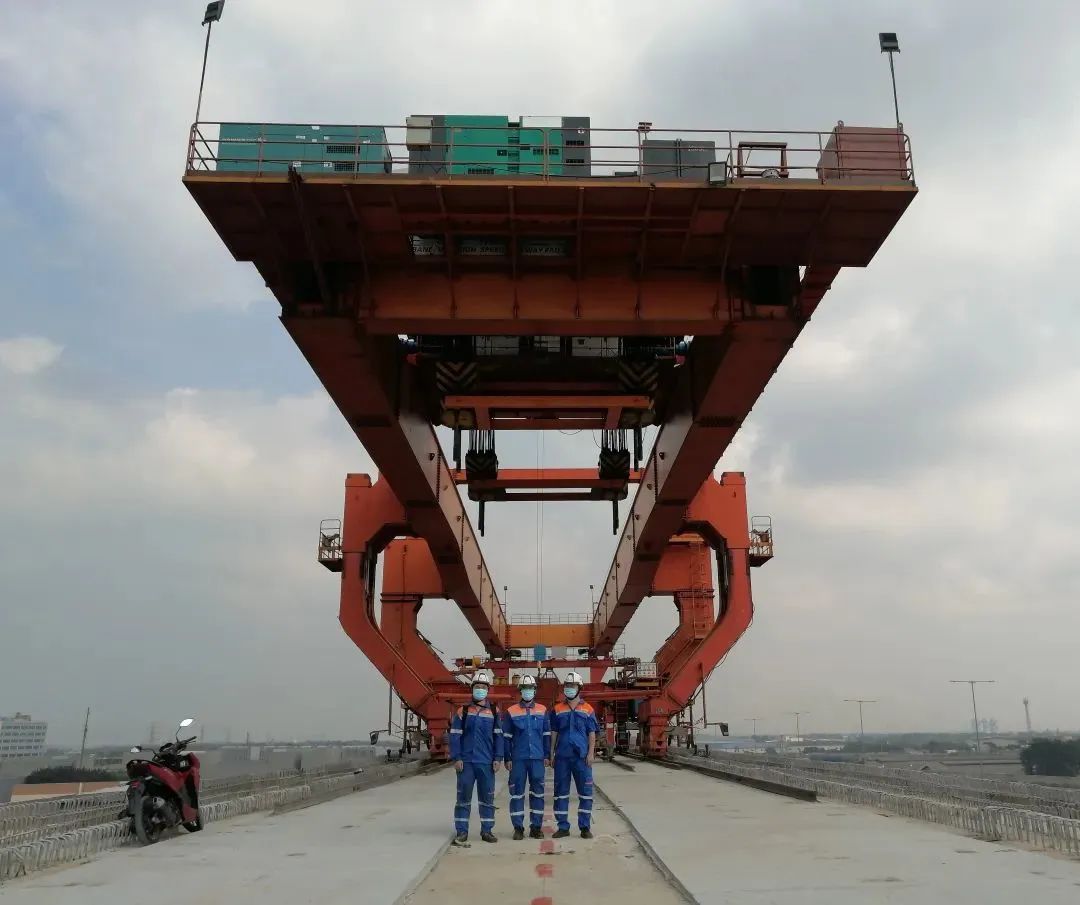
[28,354]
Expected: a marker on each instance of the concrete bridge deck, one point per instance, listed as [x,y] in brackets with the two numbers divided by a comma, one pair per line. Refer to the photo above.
[718,843]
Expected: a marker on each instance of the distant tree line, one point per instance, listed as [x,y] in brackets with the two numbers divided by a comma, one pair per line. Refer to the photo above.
[1051,757]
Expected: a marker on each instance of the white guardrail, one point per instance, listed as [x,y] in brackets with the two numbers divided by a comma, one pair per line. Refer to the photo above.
[47,832]
[959,802]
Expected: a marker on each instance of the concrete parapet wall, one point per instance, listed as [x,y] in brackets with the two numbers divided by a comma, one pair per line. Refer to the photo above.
[46,833]
[958,805]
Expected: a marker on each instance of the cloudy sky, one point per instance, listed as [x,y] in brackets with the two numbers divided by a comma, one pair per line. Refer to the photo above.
[166,455]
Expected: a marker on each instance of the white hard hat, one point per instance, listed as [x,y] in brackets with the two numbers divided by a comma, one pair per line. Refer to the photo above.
[528,682]
[481,678]
[573,678]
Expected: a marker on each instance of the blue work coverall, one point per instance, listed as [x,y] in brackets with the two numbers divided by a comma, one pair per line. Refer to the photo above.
[476,740]
[526,740]
[573,725]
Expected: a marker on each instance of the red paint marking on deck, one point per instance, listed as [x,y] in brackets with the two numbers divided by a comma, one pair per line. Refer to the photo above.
[545,870]
[547,847]
[542,900]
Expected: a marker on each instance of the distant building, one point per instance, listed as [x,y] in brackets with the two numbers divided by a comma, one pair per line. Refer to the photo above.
[21,736]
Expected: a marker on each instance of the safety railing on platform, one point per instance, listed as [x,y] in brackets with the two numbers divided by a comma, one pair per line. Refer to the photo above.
[645,154]
[761,537]
[329,552]
[935,803]
[550,619]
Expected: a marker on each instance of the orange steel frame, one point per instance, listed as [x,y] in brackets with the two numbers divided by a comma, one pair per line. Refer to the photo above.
[659,259]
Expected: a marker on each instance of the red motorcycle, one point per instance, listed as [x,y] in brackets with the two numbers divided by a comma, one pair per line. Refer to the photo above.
[163,792]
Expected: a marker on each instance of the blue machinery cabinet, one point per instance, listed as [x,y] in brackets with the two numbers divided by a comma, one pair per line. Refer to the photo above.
[272,148]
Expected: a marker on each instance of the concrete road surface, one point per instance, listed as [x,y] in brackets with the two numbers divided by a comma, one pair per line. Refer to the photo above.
[729,844]
[366,848]
[610,869]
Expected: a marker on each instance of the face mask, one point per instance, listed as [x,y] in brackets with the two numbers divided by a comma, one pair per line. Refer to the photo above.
[527,694]
[570,691]
[479,693]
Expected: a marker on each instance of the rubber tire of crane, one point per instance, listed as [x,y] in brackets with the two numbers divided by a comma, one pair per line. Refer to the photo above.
[143,831]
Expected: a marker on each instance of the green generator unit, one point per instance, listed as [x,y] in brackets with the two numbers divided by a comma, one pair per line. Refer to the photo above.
[312,150]
[498,145]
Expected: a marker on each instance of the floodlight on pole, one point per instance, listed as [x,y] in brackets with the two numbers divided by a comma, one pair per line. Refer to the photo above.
[974,709]
[212,15]
[889,44]
[797,714]
[862,733]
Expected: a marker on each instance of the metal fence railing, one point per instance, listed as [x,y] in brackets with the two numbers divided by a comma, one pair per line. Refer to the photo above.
[644,154]
[58,843]
[1046,799]
[29,821]
[949,804]
[550,619]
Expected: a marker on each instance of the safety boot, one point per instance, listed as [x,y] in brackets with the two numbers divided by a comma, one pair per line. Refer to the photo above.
[519,834]
[536,833]
[488,837]
[560,834]
[586,833]
[461,839]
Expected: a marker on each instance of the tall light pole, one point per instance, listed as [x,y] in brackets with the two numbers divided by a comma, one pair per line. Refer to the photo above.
[85,730]
[889,44]
[752,719]
[797,714]
[862,732]
[212,15]
[974,710]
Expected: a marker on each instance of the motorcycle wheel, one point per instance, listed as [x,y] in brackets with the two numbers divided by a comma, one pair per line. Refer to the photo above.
[193,826]
[147,819]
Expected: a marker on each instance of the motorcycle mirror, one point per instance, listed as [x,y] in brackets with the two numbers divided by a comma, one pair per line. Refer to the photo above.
[136,749]
[184,723]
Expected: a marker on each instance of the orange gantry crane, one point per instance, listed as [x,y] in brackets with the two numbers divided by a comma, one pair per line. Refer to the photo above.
[611,295]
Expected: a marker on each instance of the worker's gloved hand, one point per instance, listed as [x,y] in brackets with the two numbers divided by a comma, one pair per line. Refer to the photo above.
[509,766]
[589,759]
[459,765]
[495,767]
[547,762]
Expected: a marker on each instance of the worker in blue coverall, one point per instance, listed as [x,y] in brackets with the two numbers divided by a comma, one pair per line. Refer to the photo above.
[573,745]
[476,748]
[526,735]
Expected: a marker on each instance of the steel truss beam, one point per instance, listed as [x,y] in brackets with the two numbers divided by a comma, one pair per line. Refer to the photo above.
[374,390]
[718,386]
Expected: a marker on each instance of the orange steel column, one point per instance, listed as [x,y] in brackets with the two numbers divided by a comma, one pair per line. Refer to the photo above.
[718,514]
[373,516]
[685,572]
[398,623]
[376,393]
[398,618]
[722,378]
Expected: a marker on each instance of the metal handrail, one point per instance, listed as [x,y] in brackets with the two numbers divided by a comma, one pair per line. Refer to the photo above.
[329,540]
[801,154]
[550,619]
